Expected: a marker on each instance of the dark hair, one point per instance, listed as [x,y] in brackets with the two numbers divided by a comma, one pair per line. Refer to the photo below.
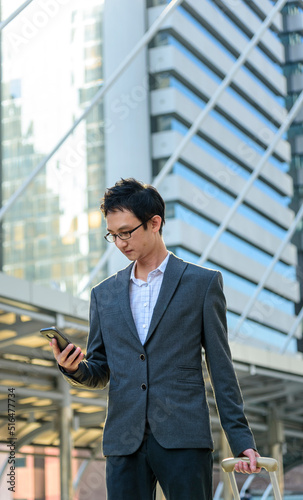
[143,200]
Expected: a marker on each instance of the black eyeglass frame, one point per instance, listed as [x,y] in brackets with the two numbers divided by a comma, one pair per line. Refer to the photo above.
[114,236]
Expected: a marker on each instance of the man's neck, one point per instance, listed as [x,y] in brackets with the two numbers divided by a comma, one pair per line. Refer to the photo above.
[151,262]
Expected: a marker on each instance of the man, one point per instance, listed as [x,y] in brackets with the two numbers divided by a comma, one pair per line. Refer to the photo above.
[148,323]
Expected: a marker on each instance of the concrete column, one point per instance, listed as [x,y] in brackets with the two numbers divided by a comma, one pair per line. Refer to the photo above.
[126,105]
[225,452]
[276,440]
[65,425]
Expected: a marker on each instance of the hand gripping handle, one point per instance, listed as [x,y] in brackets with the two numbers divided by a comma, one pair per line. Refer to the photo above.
[270,464]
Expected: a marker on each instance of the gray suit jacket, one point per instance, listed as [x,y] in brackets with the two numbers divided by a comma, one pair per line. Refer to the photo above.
[162,380]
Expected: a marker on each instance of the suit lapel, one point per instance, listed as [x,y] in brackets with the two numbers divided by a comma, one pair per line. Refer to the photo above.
[122,291]
[172,275]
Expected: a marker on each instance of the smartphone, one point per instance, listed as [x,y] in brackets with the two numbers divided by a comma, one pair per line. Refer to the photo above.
[53,333]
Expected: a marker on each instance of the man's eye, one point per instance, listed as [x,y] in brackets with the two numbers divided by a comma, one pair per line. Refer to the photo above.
[124,233]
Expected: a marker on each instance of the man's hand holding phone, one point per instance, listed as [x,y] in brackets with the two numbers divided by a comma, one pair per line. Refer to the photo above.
[69,362]
[66,354]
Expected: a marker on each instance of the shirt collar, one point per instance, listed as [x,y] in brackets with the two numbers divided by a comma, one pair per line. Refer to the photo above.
[160,268]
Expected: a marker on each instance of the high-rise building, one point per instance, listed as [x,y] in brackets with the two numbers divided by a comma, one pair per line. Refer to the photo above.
[51,235]
[28,240]
[186,61]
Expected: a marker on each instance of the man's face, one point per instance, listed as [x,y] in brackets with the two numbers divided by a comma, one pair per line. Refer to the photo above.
[141,242]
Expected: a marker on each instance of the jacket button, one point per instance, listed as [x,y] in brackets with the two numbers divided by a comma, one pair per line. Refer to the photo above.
[143,387]
[142,357]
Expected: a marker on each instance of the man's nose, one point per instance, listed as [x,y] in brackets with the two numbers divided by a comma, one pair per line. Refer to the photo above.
[120,243]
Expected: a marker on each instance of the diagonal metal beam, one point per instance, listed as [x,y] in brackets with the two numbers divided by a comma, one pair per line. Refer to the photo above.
[84,466]
[285,125]
[108,252]
[107,85]
[268,271]
[274,395]
[199,120]
[267,492]
[14,14]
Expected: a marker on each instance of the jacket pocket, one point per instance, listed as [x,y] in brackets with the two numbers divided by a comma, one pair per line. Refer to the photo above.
[190,375]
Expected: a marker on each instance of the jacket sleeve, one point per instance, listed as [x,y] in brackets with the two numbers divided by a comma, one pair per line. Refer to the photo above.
[93,371]
[221,371]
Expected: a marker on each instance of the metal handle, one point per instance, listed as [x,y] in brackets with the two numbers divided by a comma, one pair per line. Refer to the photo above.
[270,464]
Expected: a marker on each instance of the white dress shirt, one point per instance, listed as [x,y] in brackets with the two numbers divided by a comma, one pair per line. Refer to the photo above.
[143,297]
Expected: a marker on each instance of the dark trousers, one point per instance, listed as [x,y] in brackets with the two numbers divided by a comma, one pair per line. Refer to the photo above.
[183,474]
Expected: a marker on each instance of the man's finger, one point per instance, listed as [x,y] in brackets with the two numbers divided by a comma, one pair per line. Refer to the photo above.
[55,347]
[253,462]
[65,354]
[72,357]
[252,455]
[61,355]
[68,361]
[251,467]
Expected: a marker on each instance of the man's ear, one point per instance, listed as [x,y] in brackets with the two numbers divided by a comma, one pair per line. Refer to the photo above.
[156,223]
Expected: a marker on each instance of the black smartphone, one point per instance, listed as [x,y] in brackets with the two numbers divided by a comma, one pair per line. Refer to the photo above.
[53,333]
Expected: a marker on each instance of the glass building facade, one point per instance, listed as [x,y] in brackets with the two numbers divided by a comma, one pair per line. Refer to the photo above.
[51,68]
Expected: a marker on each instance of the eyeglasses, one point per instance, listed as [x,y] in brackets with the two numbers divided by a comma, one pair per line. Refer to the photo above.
[124,235]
